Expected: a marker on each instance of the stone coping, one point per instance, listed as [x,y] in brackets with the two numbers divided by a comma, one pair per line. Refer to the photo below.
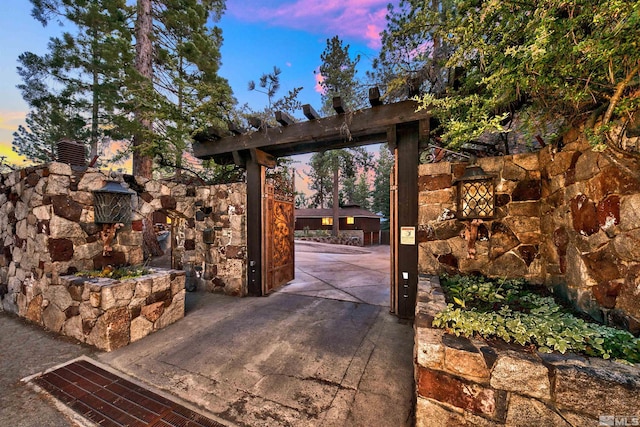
[467,381]
[111,313]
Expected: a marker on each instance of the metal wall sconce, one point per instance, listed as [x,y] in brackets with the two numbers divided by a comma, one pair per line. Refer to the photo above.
[476,194]
[112,206]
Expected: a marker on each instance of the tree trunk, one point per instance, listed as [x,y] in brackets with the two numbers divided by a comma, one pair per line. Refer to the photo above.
[336,203]
[143,163]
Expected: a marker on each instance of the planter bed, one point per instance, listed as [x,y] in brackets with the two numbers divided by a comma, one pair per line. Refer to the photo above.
[108,313]
[467,381]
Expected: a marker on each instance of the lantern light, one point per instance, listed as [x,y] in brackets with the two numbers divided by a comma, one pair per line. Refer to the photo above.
[112,204]
[476,194]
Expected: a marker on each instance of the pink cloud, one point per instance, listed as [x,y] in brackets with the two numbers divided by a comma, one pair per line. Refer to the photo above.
[354,19]
[319,79]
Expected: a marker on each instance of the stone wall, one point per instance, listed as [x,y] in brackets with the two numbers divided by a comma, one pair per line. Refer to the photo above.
[590,223]
[107,313]
[47,230]
[508,245]
[468,382]
[567,218]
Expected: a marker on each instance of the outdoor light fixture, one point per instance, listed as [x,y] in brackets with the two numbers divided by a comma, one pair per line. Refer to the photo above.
[476,193]
[112,206]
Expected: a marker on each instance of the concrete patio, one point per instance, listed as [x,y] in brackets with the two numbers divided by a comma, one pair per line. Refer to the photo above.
[323,351]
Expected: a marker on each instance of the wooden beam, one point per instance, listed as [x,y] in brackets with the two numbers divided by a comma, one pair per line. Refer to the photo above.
[235,129]
[256,122]
[365,127]
[337,105]
[309,112]
[374,96]
[239,159]
[262,158]
[284,119]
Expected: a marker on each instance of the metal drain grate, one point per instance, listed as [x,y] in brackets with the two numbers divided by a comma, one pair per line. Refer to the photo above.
[110,400]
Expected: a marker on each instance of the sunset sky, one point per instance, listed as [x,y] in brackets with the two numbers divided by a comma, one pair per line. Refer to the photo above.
[258,34]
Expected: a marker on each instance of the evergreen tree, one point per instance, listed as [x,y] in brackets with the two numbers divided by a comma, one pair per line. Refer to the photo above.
[382,182]
[338,72]
[78,82]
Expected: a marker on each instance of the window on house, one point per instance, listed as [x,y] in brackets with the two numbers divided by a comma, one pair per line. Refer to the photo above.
[351,220]
[327,220]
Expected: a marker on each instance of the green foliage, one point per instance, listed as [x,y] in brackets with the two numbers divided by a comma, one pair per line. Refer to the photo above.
[382,182]
[120,273]
[338,71]
[558,61]
[506,310]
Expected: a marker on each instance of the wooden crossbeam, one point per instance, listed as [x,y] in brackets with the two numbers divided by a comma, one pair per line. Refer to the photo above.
[284,119]
[374,96]
[368,126]
[235,129]
[309,112]
[337,105]
[256,122]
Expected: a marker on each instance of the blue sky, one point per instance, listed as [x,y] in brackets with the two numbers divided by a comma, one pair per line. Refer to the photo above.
[258,34]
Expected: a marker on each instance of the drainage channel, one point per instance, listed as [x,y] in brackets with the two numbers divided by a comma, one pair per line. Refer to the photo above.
[109,400]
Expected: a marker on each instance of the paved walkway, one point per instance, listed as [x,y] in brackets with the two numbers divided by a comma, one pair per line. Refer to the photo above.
[323,351]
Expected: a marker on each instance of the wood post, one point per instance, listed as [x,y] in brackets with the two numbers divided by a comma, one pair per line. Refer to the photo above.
[405,236]
[255,189]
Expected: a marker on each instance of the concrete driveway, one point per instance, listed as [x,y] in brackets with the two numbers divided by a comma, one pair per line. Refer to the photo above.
[322,351]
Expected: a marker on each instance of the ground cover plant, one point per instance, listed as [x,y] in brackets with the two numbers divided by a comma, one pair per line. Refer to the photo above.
[119,273]
[508,309]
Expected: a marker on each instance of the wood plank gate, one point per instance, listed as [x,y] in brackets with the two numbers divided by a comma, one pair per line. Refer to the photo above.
[278,260]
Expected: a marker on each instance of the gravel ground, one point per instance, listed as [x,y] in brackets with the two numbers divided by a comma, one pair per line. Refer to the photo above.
[25,350]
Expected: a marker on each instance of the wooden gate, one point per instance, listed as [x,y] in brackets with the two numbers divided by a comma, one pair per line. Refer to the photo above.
[278,250]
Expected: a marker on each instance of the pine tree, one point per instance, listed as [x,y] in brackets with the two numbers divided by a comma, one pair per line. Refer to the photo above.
[382,182]
[85,70]
[338,72]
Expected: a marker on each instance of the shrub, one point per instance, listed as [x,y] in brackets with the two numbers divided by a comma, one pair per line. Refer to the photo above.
[506,309]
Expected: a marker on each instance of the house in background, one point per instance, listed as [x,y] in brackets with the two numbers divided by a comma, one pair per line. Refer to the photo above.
[352,218]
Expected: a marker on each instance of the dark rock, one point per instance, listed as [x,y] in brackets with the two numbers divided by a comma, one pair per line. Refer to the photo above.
[116,259]
[502,199]
[434,182]
[72,310]
[459,393]
[61,249]
[528,253]
[65,207]
[527,190]
[448,260]
[584,215]
[168,202]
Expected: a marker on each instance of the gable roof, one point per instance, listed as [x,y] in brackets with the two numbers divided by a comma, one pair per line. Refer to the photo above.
[354,211]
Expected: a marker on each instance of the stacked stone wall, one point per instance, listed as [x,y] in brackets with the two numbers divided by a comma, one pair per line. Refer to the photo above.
[567,218]
[590,222]
[47,230]
[508,245]
[470,382]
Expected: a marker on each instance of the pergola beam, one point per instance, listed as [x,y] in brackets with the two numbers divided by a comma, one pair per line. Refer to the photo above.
[361,127]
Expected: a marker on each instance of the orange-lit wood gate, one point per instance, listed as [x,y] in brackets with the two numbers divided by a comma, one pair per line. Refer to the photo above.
[278,225]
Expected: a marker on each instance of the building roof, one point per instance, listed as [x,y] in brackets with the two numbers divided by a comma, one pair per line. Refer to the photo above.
[354,211]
